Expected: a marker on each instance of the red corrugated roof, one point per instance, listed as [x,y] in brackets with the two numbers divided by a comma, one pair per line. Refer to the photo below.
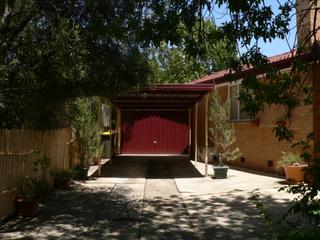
[281,61]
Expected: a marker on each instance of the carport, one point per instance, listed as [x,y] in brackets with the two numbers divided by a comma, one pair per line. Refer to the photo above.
[162,120]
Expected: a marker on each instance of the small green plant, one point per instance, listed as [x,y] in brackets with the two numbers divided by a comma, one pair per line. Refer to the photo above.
[42,164]
[222,132]
[87,130]
[63,173]
[28,190]
[79,172]
[34,189]
[291,159]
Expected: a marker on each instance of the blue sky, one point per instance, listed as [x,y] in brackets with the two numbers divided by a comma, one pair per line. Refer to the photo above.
[277,46]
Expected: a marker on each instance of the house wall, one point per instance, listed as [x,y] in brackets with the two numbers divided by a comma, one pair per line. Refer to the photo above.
[201,121]
[258,144]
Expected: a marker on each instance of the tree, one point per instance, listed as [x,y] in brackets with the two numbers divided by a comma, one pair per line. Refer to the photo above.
[56,50]
[222,132]
[63,49]
[171,64]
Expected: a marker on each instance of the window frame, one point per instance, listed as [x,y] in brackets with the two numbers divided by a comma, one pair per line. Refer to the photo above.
[238,119]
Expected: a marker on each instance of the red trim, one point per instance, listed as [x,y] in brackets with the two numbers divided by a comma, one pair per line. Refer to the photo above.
[166,96]
[280,61]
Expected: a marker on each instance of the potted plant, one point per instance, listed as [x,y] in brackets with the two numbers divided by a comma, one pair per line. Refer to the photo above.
[222,134]
[27,202]
[293,165]
[62,178]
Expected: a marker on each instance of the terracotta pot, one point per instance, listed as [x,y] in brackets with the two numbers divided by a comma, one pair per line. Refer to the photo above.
[281,123]
[294,173]
[26,207]
[62,183]
[97,161]
[255,122]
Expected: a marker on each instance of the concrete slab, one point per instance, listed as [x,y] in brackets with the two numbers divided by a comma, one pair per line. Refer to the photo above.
[148,199]
[220,208]
[164,214]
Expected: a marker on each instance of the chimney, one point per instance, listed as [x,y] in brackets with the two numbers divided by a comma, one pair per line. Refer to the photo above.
[308,13]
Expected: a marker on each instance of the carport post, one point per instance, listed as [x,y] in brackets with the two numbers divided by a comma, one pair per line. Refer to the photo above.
[316,114]
[119,130]
[196,132]
[110,131]
[189,122]
[206,134]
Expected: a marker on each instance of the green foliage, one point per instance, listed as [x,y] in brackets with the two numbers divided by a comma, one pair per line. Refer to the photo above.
[42,165]
[51,51]
[290,159]
[307,147]
[171,64]
[64,173]
[222,132]
[87,129]
[80,173]
[285,229]
[34,189]
[305,207]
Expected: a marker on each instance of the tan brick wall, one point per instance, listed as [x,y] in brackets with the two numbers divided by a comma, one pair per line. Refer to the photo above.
[259,144]
[201,122]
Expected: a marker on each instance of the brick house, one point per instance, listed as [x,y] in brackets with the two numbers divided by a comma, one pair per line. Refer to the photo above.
[260,148]
[255,138]
[172,119]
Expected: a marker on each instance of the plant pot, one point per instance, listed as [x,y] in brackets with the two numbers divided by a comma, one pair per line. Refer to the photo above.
[62,183]
[294,173]
[26,207]
[255,122]
[281,123]
[220,171]
[97,161]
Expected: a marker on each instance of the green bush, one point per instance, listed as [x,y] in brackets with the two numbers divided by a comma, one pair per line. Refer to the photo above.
[34,189]
[63,173]
[222,132]
[87,130]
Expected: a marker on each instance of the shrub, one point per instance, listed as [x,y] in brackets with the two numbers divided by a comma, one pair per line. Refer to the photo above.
[291,159]
[222,132]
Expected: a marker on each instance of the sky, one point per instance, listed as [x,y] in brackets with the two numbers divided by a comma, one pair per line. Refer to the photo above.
[277,46]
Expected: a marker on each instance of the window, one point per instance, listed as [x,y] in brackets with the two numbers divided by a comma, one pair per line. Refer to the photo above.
[236,106]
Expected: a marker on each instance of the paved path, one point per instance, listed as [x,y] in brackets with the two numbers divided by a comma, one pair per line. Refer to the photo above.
[153,199]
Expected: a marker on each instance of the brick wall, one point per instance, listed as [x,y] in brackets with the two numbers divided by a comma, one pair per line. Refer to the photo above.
[259,145]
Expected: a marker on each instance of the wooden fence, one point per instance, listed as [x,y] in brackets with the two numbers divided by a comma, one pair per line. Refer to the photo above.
[20,148]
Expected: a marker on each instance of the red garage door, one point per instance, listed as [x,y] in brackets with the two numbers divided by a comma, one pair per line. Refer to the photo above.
[154,132]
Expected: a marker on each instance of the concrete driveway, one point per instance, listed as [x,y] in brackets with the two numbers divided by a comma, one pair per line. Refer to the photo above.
[154,199]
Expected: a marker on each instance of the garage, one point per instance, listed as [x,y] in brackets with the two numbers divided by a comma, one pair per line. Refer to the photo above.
[155,132]
[158,120]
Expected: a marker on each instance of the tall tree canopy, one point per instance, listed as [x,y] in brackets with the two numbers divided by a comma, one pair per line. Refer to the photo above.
[171,64]
[55,50]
